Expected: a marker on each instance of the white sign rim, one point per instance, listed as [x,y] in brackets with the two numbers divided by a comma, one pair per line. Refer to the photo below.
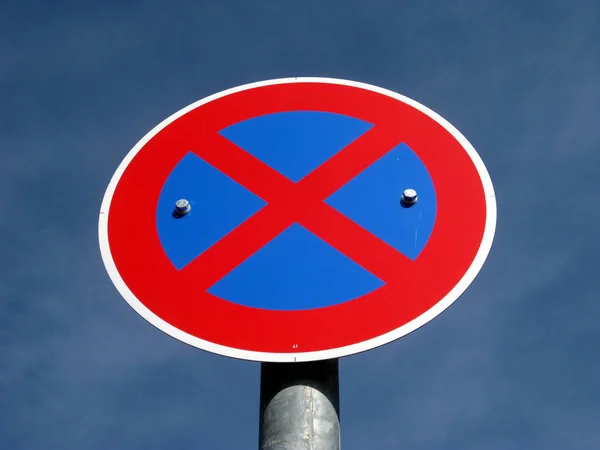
[438,308]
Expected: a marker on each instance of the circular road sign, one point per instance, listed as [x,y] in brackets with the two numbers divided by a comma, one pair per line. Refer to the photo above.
[297,219]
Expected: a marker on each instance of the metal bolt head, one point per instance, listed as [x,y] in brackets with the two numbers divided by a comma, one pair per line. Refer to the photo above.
[182,206]
[409,197]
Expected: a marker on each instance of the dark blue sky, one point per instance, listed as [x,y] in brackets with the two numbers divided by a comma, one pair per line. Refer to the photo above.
[513,364]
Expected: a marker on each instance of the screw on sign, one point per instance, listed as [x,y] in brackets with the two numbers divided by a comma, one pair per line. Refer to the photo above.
[278,221]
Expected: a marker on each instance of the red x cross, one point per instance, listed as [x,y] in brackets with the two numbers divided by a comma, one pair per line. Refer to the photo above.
[301,202]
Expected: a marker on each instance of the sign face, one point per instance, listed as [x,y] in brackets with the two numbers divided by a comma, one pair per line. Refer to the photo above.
[299,244]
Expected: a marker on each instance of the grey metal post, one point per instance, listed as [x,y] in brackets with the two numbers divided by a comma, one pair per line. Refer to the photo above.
[300,406]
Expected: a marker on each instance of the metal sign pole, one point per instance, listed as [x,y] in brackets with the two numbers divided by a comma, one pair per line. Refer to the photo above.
[300,406]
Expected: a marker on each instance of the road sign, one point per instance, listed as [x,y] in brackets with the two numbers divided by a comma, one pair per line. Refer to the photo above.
[318,218]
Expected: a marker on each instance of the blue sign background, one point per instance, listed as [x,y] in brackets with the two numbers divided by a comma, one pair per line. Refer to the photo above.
[296,270]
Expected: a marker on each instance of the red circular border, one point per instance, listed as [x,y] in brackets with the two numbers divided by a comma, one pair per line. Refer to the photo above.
[170,294]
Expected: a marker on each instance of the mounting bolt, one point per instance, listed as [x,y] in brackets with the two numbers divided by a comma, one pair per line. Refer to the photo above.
[182,206]
[409,197]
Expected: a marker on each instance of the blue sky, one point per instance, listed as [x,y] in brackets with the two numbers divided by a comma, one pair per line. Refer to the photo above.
[513,364]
